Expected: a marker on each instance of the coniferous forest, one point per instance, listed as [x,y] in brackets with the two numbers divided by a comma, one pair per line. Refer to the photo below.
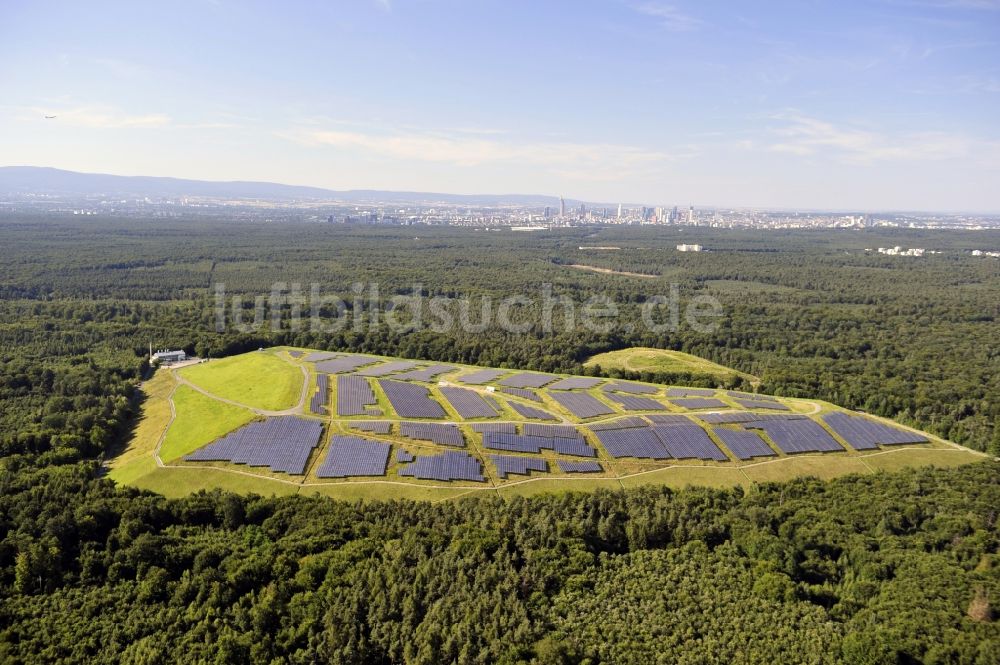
[890,568]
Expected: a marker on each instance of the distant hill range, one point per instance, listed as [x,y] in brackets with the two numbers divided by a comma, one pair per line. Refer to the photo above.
[50,181]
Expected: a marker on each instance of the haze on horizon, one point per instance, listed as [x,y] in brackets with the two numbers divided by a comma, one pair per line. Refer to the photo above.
[885,104]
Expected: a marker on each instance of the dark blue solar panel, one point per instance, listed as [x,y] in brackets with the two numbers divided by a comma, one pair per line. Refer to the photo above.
[639,442]
[411,400]
[526,411]
[865,434]
[563,431]
[579,467]
[354,456]
[761,404]
[282,443]
[449,465]
[668,419]
[621,423]
[754,396]
[343,364]
[690,392]
[699,403]
[353,395]
[527,380]
[575,383]
[373,426]
[689,442]
[295,354]
[508,464]
[481,376]
[798,436]
[522,392]
[388,368]
[469,403]
[744,444]
[634,403]
[582,405]
[403,456]
[319,399]
[630,387]
[507,428]
[426,374]
[445,435]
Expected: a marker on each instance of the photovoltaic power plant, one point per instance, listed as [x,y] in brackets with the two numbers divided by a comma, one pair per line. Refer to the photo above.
[527,443]
[798,436]
[528,380]
[754,396]
[388,368]
[403,456]
[468,403]
[745,417]
[668,419]
[317,356]
[526,411]
[522,392]
[449,465]
[630,387]
[690,392]
[761,404]
[354,456]
[689,442]
[411,400]
[745,444]
[508,464]
[482,376]
[699,403]
[426,374]
[638,442]
[635,403]
[445,435]
[319,399]
[506,428]
[575,383]
[582,405]
[282,443]
[567,466]
[373,426]
[560,431]
[621,423]
[865,434]
[354,395]
[343,364]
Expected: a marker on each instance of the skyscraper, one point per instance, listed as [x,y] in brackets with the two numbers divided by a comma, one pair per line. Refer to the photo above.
[619,211]
[691,215]
[562,207]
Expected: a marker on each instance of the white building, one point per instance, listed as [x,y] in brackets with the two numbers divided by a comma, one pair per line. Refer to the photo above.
[169,357]
[689,248]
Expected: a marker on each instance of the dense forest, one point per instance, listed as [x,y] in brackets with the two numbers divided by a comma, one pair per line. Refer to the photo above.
[897,568]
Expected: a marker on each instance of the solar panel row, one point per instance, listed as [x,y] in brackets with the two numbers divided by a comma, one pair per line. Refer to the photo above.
[373,426]
[798,436]
[661,442]
[344,364]
[282,443]
[468,403]
[388,368]
[481,376]
[354,456]
[483,428]
[522,392]
[630,387]
[753,396]
[449,465]
[582,405]
[761,404]
[319,399]
[621,423]
[404,456]
[295,354]
[690,392]
[634,403]
[579,467]
[426,374]
[743,443]
[668,419]
[317,356]
[864,433]
[526,443]
[575,383]
[746,417]
[528,380]
[508,464]
[353,395]
[411,400]
[445,435]
[526,411]
[560,431]
[699,403]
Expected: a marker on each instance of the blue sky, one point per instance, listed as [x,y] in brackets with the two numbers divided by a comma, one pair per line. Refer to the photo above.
[885,104]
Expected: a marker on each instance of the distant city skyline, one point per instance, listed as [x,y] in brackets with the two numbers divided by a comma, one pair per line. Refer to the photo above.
[879,105]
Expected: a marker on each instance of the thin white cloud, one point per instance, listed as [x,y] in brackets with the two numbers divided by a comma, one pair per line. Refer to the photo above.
[103,117]
[601,160]
[668,16]
[802,135]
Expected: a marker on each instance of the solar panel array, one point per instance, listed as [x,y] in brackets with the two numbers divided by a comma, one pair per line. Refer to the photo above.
[508,464]
[445,435]
[699,403]
[528,380]
[483,428]
[527,443]
[579,467]
[689,442]
[449,465]
[319,399]
[388,368]
[411,400]
[639,442]
[798,436]
[582,405]
[282,443]
[635,403]
[295,354]
[522,392]
[344,364]
[864,433]
[761,404]
[680,440]
[404,456]
[426,374]
[746,417]
[754,396]
[690,392]
[373,426]
[668,419]
[745,444]
[621,423]
[468,403]
[481,376]
[560,431]
[354,456]
[526,411]
[317,356]
[575,383]
[630,387]
[353,395]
